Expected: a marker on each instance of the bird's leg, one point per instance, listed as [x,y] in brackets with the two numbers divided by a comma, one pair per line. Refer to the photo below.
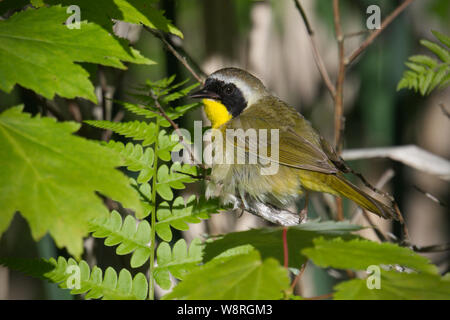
[304,211]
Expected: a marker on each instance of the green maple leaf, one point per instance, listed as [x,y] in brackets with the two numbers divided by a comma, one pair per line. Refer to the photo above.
[396,286]
[358,254]
[132,11]
[239,277]
[51,177]
[38,52]
[269,241]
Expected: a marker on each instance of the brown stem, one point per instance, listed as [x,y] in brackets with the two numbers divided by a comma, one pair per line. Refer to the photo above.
[380,235]
[177,55]
[339,97]
[376,33]
[355,34]
[175,127]
[297,278]
[380,184]
[339,209]
[447,114]
[339,100]
[317,57]
[108,133]
[74,110]
[432,248]
[285,248]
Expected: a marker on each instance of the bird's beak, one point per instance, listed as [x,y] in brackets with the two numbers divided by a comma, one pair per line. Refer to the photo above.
[204,94]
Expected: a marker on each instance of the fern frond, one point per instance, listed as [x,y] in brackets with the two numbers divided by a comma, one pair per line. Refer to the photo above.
[129,238]
[178,261]
[147,112]
[166,145]
[179,94]
[167,93]
[145,196]
[180,214]
[79,278]
[36,268]
[175,178]
[135,158]
[136,130]
[425,73]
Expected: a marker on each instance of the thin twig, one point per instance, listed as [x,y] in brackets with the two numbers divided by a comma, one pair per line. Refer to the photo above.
[52,108]
[297,277]
[377,231]
[445,111]
[388,175]
[339,209]
[74,109]
[176,128]
[177,55]
[432,248]
[339,96]
[431,197]
[339,100]
[108,133]
[285,248]
[317,57]
[355,34]
[376,33]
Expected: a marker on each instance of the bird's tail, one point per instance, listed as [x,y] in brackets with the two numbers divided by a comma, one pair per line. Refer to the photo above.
[378,203]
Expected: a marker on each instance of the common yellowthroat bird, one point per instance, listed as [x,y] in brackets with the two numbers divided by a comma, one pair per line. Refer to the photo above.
[235,99]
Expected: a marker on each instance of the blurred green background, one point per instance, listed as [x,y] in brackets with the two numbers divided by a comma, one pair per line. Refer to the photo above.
[269,39]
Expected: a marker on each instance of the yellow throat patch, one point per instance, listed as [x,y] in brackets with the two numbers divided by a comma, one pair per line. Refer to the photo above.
[216,112]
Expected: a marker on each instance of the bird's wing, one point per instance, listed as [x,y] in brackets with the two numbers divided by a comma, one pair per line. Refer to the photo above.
[300,146]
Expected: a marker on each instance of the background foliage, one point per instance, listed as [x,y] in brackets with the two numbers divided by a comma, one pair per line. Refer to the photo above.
[85,145]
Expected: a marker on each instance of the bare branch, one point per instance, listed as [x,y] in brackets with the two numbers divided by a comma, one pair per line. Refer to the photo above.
[388,175]
[177,55]
[108,133]
[410,155]
[317,57]
[355,34]
[445,111]
[431,197]
[339,98]
[298,276]
[433,248]
[376,33]
[175,127]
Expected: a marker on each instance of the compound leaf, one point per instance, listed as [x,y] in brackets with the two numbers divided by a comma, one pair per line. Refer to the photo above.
[180,214]
[179,261]
[79,278]
[131,235]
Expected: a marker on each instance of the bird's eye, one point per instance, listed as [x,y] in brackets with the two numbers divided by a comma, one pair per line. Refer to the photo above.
[228,89]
